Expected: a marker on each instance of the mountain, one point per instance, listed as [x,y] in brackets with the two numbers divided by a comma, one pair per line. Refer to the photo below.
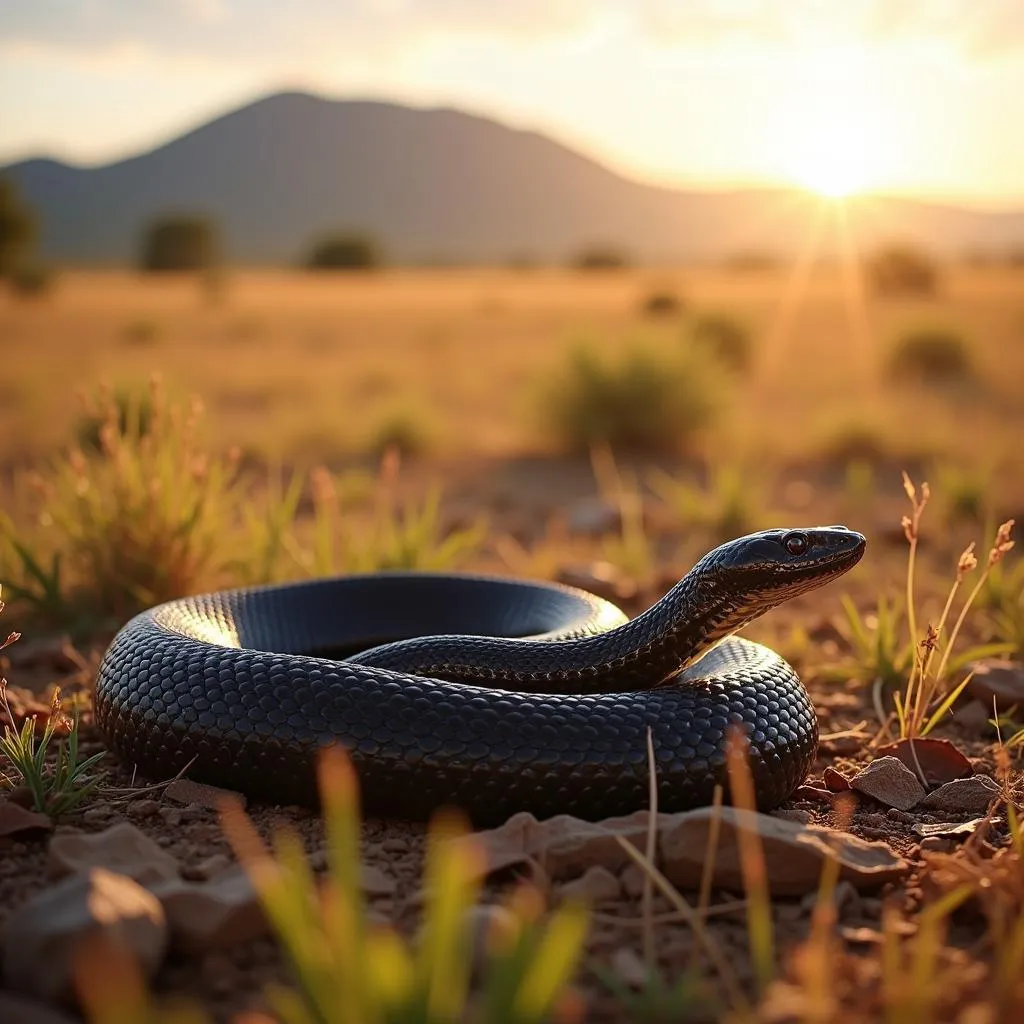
[432,184]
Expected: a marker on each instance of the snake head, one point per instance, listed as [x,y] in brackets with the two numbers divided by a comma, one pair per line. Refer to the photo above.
[774,565]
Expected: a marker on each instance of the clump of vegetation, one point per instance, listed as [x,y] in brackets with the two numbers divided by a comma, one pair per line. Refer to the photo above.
[642,400]
[179,243]
[931,355]
[729,504]
[350,250]
[662,303]
[133,409]
[404,430]
[855,440]
[57,784]
[31,279]
[902,270]
[725,339]
[141,516]
[17,232]
[402,533]
[601,257]
[142,332]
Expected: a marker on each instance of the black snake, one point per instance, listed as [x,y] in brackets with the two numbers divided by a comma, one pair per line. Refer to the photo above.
[545,708]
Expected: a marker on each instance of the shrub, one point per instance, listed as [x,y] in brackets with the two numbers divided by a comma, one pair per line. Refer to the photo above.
[132,408]
[724,338]
[643,400]
[600,257]
[177,243]
[31,280]
[17,230]
[931,355]
[404,430]
[142,332]
[662,303]
[902,270]
[344,251]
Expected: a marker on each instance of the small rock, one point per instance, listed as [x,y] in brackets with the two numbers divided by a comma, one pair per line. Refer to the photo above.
[185,791]
[18,1010]
[23,797]
[974,717]
[895,814]
[1002,681]
[814,794]
[39,942]
[98,815]
[630,968]
[394,845]
[632,880]
[889,781]
[212,866]
[217,914]
[835,780]
[121,848]
[937,844]
[375,882]
[939,760]
[171,816]
[219,973]
[972,795]
[595,885]
[145,808]
[17,822]
[949,829]
[592,517]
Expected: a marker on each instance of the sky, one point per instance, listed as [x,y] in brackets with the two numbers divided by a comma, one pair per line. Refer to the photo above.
[909,96]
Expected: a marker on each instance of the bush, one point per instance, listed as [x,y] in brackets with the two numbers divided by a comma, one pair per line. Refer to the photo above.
[142,332]
[402,430]
[178,243]
[726,339]
[902,270]
[31,280]
[663,303]
[600,257]
[642,401]
[931,355]
[344,251]
[17,230]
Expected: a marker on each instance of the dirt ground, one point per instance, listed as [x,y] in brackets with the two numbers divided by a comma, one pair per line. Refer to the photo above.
[303,368]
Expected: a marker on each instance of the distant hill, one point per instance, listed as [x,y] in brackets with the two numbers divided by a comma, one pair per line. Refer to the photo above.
[431,185]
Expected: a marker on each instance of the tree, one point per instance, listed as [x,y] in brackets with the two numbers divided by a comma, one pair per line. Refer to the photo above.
[180,242]
[344,251]
[17,230]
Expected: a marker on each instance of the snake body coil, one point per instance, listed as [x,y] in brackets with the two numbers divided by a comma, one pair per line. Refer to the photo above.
[545,708]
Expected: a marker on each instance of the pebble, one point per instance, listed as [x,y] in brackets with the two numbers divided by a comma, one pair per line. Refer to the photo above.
[208,868]
[632,879]
[889,781]
[39,942]
[596,885]
[145,808]
[121,848]
[185,791]
[791,814]
[972,795]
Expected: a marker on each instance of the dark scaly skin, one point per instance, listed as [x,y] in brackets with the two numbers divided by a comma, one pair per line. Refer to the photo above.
[494,725]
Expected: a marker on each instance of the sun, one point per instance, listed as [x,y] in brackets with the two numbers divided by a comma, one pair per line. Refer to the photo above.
[830,145]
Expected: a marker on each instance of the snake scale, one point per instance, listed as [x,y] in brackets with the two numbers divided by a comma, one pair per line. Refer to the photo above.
[486,693]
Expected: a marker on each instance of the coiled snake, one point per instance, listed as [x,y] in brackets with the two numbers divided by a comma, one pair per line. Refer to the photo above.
[545,708]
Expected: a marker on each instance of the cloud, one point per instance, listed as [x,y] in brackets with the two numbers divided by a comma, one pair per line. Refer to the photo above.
[270,32]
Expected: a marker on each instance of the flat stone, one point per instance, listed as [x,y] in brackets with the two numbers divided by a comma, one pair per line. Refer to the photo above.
[218,914]
[375,882]
[16,822]
[210,867]
[595,885]
[185,791]
[889,781]
[40,941]
[971,795]
[1001,681]
[122,848]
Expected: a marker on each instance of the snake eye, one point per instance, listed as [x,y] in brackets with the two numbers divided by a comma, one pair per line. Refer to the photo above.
[795,543]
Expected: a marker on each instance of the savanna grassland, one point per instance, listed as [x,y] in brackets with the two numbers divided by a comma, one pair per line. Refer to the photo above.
[604,428]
